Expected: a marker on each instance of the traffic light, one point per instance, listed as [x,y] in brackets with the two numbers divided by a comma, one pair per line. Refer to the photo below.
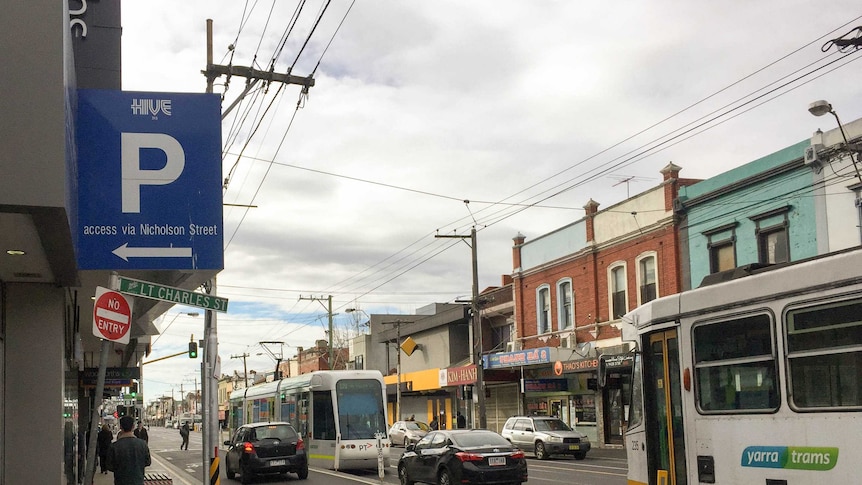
[193,350]
[121,411]
[133,389]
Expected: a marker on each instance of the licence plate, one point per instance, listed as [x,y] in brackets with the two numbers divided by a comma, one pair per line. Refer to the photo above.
[574,447]
[277,462]
[496,460]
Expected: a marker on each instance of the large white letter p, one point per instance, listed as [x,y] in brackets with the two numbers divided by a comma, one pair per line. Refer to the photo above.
[133,177]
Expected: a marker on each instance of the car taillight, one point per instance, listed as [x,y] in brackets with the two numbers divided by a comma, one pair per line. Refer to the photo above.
[463,456]
[518,455]
[300,445]
[247,447]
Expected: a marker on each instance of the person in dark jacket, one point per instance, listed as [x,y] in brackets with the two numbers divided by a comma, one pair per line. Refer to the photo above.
[433,424]
[103,442]
[128,456]
[460,421]
[141,432]
[184,432]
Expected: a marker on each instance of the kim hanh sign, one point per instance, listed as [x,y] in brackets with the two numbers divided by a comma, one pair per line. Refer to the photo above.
[149,181]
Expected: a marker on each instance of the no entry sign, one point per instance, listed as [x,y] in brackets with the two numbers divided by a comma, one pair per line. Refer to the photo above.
[112,316]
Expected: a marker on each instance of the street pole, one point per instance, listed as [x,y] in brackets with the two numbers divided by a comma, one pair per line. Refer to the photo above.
[328,309]
[244,365]
[477,325]
[397,324]
[476,354]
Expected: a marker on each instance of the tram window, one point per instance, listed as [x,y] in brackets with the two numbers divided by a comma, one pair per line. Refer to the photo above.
[824,346]
[735,366]
[323,417]
[635,416]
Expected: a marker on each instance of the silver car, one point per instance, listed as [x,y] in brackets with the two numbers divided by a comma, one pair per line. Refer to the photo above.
[545,436]
[407,432]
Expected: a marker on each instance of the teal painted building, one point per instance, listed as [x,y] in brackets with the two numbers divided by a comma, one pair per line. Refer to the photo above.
[761,212]
[798,202]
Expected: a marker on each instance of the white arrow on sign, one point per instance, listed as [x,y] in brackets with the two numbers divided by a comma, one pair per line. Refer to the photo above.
[125,252]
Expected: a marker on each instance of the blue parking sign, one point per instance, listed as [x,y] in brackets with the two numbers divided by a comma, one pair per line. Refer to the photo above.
[149,181]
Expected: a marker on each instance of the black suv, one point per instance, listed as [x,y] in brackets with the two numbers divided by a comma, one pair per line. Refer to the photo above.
[264,448]
[545,436]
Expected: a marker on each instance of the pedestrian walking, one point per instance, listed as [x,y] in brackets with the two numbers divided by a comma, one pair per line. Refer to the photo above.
[184,432]
[460,421]
[128,456]
[433,424]
[103,442]
[141,432]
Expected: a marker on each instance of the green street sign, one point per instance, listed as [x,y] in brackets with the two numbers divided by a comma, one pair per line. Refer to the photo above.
[155,291]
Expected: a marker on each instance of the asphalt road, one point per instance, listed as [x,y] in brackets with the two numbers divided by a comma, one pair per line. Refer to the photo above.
[601,467]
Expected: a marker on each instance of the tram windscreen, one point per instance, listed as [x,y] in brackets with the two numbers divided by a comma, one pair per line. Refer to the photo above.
[360,408]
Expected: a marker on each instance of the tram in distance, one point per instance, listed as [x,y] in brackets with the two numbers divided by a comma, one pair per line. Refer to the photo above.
[754,380]
[339,415]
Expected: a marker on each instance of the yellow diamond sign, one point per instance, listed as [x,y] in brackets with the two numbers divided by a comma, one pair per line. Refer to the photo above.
[409,346]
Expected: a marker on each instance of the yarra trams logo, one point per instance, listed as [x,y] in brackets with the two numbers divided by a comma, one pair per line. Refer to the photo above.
[151,107]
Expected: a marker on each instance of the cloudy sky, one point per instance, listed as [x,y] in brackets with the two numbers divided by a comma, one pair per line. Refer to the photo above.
[525,109]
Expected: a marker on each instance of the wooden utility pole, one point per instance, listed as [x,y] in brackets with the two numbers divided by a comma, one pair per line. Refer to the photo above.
[328,311]
[244,365]
[253,75]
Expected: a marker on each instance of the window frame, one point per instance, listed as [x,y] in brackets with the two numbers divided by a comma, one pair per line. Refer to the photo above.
[564,323]
[819,353]
[612,268]
[640,276]
[543,306]
[765,225]
[717,239]
[736,363]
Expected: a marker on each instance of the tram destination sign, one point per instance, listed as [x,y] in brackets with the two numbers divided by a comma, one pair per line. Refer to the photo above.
[179,296]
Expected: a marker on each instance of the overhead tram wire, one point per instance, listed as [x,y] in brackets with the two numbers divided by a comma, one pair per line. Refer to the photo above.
[645,150]
[677,113]
[667,141]
[637,134]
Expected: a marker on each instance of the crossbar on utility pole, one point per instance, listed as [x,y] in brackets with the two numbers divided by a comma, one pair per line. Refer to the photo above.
[397,324]
[476,355]
[213,71]
[328,309]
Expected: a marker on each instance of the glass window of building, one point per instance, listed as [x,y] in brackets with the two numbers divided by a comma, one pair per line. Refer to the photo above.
[619,300]
[543,309]
[564,302]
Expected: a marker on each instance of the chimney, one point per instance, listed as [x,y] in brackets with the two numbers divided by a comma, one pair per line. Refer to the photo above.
[591,208]
[516,250]
[671,187]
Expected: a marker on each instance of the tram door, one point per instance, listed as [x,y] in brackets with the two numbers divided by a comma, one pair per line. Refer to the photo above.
[663,405]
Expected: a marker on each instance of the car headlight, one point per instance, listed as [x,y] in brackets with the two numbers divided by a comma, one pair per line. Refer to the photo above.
[555,439]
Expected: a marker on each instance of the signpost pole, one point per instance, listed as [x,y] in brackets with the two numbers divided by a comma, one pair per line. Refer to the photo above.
[94,416]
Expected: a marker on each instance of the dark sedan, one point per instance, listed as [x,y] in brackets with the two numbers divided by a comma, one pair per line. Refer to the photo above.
[462,456]
[265,448]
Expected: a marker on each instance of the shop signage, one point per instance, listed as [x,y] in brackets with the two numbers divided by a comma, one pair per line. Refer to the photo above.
[458,376]
[114,376]
[546,385]
[619,361]
[541,355]
[581,365]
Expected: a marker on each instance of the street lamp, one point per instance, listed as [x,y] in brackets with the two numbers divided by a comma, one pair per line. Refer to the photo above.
[820,108]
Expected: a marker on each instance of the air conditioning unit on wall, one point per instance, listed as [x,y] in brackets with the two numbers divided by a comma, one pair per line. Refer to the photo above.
[513,346]
[568,341]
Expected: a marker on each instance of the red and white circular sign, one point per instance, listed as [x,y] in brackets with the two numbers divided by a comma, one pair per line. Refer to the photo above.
[112,316]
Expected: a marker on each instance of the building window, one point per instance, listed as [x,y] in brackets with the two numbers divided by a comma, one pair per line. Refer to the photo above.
[773,241]
[735,364]
[721,243]
[543,309]
[647,279]
[619,300]
[565,302]
[359,362]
